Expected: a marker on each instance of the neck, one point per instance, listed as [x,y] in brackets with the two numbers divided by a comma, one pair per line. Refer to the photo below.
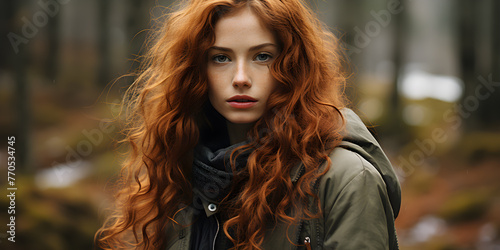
[238,131]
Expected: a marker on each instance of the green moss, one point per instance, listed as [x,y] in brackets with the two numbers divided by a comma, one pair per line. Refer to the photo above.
[47,114]
[465,205]
[54,218]
[420,183]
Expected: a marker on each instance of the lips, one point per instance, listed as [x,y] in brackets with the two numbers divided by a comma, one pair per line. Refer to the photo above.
[241,98]
[242,101]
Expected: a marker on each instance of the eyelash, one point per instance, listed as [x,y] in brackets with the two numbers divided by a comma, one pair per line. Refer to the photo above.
[224,58]
[268,57]
[214,58]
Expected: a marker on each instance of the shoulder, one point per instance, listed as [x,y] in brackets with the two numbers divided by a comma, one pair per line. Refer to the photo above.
[347,165]
[349,172]
[355,204]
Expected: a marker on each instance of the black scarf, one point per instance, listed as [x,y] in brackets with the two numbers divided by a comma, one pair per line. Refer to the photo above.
[212,175]
[212,178]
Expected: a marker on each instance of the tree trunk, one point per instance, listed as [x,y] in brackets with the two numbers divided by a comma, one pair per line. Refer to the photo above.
[467,21]
[22,104]
[104,29]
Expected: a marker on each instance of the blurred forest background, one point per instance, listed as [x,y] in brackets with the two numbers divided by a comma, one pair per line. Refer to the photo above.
[425,77]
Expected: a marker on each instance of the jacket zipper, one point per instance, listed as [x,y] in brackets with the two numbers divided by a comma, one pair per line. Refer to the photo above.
[316,191]
[307,240]
[300,221]
[318,240]
[299,174]
[217,232]
[298,231]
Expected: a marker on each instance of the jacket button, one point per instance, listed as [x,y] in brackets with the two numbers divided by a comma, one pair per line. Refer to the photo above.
[212,207]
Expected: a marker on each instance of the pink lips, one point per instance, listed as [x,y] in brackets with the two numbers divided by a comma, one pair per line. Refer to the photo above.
[242,101]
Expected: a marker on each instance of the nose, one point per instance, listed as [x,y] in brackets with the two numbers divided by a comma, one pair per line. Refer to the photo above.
[241,77]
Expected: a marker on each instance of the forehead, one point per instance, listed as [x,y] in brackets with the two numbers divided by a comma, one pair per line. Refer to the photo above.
[242,27]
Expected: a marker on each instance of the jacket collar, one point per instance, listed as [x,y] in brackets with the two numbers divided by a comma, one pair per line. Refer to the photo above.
[211,206]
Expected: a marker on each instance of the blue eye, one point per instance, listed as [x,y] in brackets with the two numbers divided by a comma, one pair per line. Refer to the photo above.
[263,57]
[220,59]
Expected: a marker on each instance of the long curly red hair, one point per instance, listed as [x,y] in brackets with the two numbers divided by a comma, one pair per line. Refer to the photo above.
[302,124]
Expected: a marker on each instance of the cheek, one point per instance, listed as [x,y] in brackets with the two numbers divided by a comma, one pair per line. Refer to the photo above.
[212,84]
[272,84]
[212,93]
[215,92]
[214,79]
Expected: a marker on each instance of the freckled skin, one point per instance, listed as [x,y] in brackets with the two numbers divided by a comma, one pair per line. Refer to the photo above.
[238,64]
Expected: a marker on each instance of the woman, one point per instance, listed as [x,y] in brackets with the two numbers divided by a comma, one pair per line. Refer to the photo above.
[239,139]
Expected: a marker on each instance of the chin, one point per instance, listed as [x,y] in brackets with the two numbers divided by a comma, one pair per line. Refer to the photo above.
[242,120]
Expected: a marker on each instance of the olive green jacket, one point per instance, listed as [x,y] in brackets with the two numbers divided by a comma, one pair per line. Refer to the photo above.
[360,197]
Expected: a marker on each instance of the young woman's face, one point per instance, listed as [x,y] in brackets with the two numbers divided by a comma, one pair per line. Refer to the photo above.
[239,78]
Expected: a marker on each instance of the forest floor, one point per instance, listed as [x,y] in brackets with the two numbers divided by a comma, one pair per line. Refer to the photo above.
[454,207]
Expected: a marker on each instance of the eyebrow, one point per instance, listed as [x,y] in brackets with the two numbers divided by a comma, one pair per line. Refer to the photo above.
[256,47]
